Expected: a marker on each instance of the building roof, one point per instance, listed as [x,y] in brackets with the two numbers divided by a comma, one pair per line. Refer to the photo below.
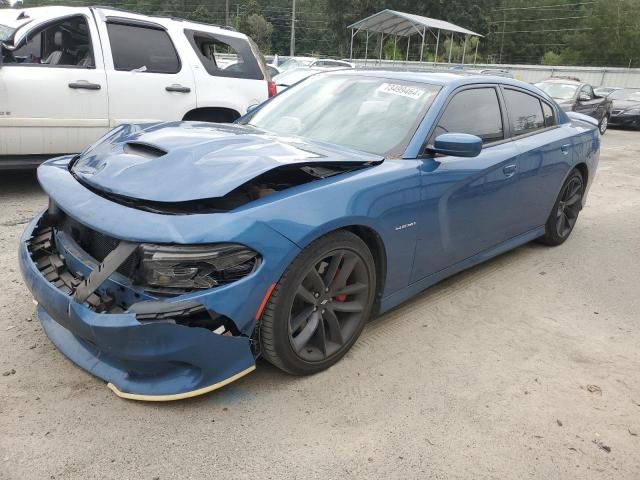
[392,22]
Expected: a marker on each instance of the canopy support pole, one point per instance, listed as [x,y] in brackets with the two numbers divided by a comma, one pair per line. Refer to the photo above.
[395,45]
[424,31]
[450,47]
[366,48]
[435,57]
[408,45]
[381,45]
[475,57]
[351,49]
[464,49]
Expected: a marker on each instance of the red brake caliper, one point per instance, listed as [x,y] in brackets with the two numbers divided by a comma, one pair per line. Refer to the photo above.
[342,297]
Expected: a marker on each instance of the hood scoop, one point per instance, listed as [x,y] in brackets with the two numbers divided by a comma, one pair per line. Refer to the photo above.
[187,161]
[143,150]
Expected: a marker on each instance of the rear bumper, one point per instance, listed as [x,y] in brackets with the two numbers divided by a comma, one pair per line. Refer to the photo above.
[158,360]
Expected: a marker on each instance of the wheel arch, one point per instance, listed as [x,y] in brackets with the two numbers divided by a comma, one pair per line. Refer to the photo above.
[376,246]
[584,171]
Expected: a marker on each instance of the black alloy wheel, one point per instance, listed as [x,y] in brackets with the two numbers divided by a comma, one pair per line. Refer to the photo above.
[319,307]
[328,305]
[565,211]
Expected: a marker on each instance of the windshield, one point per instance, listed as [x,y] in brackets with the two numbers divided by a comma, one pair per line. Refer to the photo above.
[6,32]
[293,76]
[626,95]
[560,91]
[374,115]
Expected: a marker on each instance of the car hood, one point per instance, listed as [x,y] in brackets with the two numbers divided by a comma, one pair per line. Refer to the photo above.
[184,161]
[624,104]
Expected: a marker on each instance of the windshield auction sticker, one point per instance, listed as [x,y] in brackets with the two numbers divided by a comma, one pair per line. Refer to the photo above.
[402,90]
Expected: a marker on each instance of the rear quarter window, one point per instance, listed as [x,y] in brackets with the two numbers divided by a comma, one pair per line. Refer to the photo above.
[225,56]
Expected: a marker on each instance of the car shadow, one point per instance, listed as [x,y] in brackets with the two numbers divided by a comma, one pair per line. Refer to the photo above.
[17,184]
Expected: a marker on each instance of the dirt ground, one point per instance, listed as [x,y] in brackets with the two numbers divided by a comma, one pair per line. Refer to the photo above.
[525,367]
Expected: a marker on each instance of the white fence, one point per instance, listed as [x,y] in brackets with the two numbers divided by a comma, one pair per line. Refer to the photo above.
[596,76]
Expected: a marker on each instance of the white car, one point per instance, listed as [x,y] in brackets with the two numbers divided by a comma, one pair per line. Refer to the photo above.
[70,74]
[313,62]
[285,79]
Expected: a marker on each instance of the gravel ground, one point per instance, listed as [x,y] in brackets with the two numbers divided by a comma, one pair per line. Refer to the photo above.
[525,367]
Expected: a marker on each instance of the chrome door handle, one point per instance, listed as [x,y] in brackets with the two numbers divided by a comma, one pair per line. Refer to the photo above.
[177,88]
[509,170]
[83,84]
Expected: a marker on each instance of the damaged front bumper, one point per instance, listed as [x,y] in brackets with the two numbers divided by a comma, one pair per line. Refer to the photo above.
[145,348]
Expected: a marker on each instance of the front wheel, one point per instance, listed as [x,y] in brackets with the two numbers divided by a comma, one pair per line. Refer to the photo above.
[320,305]
[565,211]
[604,123]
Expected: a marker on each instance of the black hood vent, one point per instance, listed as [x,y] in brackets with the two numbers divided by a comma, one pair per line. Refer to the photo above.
[143,150]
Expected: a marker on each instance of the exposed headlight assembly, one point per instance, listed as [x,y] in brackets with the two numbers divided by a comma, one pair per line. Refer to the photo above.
[195,267]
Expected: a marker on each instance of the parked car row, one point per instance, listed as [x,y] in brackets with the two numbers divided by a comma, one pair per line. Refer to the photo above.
[613,106]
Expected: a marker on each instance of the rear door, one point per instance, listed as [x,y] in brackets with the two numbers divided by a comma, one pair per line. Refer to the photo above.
[467,201]
[53,91]
[148,82]
[545,157]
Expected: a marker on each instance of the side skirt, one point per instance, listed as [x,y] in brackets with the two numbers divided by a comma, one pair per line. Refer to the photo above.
[387,303]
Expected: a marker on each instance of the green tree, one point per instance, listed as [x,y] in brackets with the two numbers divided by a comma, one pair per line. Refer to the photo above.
[260,30]
[551,58]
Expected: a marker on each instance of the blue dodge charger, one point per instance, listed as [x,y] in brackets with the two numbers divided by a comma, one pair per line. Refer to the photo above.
[171,256]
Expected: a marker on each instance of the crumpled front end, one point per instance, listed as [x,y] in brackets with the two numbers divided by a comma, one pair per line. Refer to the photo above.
[145,347]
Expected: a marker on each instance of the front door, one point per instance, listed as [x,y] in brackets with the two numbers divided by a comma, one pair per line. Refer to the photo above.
[467,202]
[147,80]
[53,90]
[588,103]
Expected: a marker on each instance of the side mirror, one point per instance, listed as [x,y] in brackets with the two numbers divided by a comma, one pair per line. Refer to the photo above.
[457,145]
[584,97]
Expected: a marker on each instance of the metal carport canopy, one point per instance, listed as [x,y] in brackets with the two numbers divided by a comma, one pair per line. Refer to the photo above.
[392,22]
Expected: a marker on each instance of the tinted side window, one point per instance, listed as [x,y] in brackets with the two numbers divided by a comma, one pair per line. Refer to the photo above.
[525,112]
[475,111]
[142,48]
[224,56]
[549,117]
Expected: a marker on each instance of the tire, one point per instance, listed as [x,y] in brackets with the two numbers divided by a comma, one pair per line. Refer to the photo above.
[603,125]
[304,330]
[566,209]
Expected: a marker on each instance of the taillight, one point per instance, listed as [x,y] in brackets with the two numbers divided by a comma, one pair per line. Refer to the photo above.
[271,88]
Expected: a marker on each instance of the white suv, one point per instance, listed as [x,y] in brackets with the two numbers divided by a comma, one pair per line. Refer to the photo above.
[68,75]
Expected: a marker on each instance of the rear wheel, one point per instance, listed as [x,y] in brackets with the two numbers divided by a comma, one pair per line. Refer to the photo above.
[565,211]
[320,305]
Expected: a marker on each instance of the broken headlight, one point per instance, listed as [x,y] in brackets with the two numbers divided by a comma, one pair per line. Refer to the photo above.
[195,266]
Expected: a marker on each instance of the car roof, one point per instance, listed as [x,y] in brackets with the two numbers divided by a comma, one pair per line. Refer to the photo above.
[564,81]
[39,13]
[449,78]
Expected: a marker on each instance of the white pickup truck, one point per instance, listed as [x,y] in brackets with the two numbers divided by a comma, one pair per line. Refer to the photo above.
[69,74]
